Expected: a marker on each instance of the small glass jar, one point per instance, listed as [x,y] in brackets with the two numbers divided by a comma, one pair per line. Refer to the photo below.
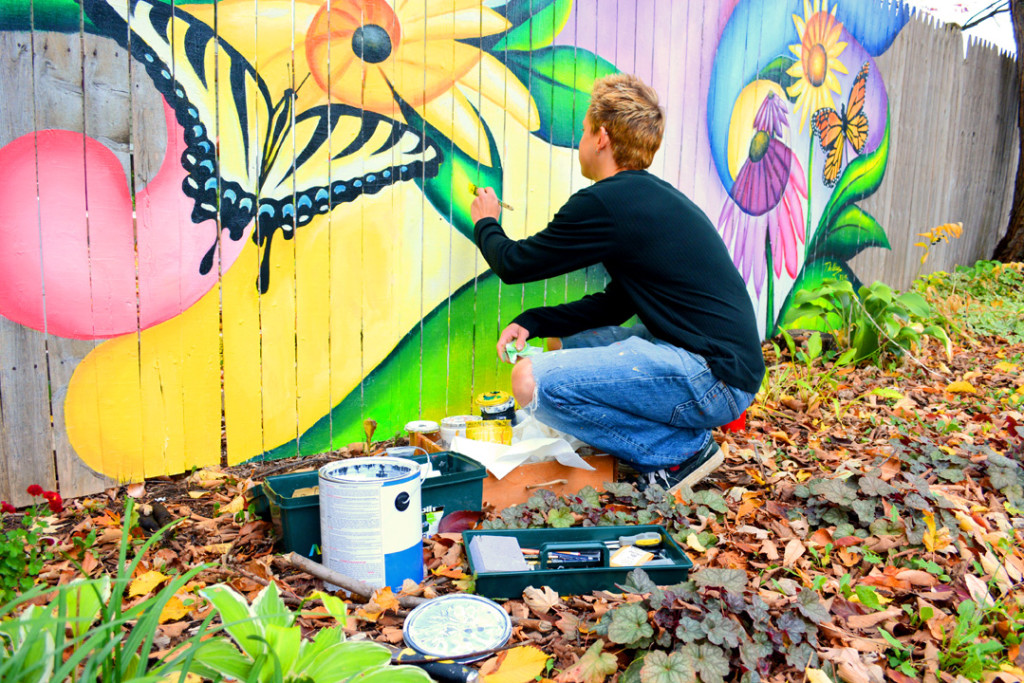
[428,429]
[493,431]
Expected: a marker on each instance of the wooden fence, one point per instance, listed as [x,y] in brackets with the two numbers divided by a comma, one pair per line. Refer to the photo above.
[952,157]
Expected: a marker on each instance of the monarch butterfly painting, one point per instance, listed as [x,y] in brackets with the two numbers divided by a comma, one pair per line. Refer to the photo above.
[292,164]
[850,124]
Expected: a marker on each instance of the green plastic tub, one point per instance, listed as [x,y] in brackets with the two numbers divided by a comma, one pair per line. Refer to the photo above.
[297,519]
[673,567]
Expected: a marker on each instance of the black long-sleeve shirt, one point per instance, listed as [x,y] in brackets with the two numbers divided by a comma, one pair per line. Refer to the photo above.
[666,262]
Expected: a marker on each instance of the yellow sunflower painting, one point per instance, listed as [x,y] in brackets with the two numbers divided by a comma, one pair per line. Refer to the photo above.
[818,59]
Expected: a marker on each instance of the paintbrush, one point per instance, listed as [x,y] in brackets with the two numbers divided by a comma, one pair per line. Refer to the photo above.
[508,207]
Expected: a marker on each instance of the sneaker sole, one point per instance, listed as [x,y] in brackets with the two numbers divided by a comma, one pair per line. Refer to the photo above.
[693,478]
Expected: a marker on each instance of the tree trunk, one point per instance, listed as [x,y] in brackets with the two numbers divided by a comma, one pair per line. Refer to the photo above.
[1011,247]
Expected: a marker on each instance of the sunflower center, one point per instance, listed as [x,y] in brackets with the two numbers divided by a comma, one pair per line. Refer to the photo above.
[371,43]
[758,145]
[817,65]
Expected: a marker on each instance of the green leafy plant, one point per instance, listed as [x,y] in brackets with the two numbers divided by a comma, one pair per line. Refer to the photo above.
[873,321]
[965,649]
[983,299]
[265,645]
[24,547]
[84,632]
[711,623]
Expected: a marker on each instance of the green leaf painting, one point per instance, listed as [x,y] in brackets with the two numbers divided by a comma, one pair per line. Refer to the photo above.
[535,23]
[852,231]
[560,79]
[860,179]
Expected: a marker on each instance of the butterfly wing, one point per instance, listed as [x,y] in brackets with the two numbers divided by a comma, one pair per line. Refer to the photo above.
[829,127]
[856,119]
[271,171]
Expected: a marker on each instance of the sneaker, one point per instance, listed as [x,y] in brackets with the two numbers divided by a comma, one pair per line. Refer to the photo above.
[686,474]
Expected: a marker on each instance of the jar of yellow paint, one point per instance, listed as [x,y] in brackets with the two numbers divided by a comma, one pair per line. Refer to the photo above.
[494,431]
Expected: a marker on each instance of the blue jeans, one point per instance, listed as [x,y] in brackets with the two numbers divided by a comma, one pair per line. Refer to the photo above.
[638,398]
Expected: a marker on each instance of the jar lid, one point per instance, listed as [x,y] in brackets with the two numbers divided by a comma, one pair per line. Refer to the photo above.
[493,398]
[421,426]
[456,625]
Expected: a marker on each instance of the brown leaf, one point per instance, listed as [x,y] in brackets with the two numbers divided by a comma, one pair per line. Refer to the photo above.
[794,549]
[769,550]
[862,621]
[918,577]
[541,600]
[136,490]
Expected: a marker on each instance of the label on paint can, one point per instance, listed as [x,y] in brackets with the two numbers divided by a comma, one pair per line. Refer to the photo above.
[453,426]
[371,520]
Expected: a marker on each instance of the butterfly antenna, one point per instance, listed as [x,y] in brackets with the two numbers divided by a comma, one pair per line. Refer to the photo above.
[302,83]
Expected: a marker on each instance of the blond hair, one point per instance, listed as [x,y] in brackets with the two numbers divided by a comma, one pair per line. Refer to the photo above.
[628,110]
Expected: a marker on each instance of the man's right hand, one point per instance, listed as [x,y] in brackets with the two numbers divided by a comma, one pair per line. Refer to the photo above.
[513,332]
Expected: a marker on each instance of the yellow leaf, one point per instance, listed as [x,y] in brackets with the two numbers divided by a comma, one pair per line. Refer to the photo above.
[146,583]
[695,543]
[174,610]
[385,599]
[936,540]
[197,494]
[1003,366]
[235,506]
[217,548]
[518,665]
[189,678]
[817,676]
[803,475]
[961,388]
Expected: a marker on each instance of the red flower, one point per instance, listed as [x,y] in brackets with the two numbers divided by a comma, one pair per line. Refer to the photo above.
[35,490]
[55,502]
[48,495]
[8,508]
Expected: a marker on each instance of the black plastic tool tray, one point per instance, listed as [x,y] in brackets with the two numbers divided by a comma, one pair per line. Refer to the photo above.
[569,581]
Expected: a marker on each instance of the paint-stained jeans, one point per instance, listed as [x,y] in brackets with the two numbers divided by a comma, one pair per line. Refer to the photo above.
[643,400]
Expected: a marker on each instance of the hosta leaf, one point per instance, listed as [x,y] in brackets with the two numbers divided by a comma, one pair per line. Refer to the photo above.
[951,474]
[833,490]
[810,606]
[875,487]
[801,656]
[793,626]
[865,510]
[590,496]
[689,630]
[734,580]
[711,499]
[560,518]
[752,651]
[637,581]
[629,625]
[721,630]
[621,489]
[667,668]
[593,667]
[709,660]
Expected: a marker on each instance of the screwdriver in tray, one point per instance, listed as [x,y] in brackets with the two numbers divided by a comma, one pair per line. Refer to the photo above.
[646,539]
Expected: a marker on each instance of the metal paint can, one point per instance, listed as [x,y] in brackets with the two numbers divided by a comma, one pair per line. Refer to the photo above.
[496,405]
[455,425]
[428,428]
[457,625]
[370,520]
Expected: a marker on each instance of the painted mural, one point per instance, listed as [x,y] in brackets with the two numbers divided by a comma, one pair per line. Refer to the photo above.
[302,259]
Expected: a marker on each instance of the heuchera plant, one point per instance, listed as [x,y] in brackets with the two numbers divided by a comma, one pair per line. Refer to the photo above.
[24,547]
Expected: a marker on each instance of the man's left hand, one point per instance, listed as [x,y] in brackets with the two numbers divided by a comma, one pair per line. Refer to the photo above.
[485,205]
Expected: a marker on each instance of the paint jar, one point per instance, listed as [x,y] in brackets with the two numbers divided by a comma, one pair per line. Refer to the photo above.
[428,429]
[453,426]
[496,405]
[371,520]
[494,431]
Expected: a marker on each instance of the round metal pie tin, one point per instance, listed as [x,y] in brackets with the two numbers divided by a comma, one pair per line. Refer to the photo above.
[457,625]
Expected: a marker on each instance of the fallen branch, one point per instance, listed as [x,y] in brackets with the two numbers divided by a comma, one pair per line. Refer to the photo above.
[349,584]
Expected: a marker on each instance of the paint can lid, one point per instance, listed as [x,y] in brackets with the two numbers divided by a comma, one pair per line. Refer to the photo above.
[421,427]
[494,399]
[455,625]
[370,470]
[458,421]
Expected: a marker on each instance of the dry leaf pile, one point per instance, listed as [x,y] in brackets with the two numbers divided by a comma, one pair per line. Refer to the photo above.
[856,515]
